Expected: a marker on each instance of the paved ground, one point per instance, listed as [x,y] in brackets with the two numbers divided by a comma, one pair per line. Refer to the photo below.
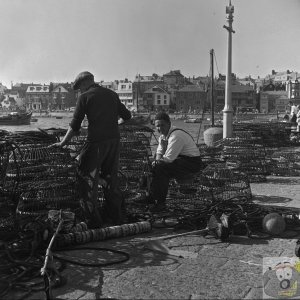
[214,270]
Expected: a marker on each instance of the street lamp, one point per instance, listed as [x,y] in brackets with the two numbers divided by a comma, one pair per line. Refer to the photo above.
[228,111]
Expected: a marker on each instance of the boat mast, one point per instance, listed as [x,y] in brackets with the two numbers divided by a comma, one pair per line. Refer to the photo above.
[212,102]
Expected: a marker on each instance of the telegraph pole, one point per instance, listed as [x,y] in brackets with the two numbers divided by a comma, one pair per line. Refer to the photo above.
[228,110]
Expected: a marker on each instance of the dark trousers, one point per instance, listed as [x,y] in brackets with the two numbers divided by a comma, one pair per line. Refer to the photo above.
[162,172]
[95,159]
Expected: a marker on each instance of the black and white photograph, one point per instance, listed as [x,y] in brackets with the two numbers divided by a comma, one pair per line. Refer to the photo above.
[149,149]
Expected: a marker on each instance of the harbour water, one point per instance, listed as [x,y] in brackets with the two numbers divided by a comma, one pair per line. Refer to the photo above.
[43,122]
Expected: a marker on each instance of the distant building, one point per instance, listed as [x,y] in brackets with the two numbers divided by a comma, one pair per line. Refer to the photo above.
[38,97]
[140,85]
[242,95]
[59,94]
[174,79]
[190,98]
[273,101]
[293,90]
[124,90]
[112,85]
[156,98]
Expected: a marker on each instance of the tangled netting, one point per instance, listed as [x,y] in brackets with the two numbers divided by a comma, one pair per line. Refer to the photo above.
[257,149]
[135,161]
[37,181]
[35,177]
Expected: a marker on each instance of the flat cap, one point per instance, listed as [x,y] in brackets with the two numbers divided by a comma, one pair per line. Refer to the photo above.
[80,77]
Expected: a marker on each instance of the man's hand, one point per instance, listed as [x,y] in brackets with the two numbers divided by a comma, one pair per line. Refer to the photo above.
[156,162]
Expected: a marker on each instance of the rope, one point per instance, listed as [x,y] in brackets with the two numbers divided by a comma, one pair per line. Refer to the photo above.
[76,262]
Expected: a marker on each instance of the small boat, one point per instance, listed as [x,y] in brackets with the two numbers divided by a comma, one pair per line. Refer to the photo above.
[16,118]
[34,119]
[193,120]
[58,117]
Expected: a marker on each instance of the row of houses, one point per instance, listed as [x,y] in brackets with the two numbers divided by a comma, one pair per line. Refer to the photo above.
[170,92]
[38,97]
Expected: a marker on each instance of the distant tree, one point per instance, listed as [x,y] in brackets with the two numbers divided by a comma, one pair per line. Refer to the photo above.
[155,76]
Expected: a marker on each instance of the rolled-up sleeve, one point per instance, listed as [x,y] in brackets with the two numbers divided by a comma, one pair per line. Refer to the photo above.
[78,115]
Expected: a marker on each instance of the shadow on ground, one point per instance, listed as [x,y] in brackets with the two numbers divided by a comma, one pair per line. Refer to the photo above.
[263,199]
[280,180]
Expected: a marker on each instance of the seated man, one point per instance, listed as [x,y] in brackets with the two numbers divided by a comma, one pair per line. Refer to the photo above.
[177,156]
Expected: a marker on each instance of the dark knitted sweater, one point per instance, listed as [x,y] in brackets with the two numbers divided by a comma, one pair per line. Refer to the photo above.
[102,107]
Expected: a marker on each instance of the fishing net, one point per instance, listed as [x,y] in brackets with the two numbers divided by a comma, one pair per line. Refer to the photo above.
[190,193]
[35,162]
[210,155]
[227,184]
[135,164]
[272,134]
[246,154]
[7,214]
[285,163]
[41,178]
[43,196]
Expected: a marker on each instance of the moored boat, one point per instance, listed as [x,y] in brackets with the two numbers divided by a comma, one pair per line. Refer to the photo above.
[16,118]
[193,120]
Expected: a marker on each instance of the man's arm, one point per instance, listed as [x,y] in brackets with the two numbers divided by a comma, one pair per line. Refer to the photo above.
[123,112]
[175,145]
[162,147]
[68,136]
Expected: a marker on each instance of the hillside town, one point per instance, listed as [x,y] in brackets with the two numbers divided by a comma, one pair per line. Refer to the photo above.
[172,92]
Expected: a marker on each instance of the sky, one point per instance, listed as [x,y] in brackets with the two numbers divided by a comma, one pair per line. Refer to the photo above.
[45,41]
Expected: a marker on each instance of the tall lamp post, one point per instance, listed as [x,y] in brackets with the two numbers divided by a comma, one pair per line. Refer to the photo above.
[228,110]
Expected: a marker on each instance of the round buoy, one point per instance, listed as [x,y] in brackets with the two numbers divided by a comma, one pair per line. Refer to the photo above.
[212,135]
[274,224]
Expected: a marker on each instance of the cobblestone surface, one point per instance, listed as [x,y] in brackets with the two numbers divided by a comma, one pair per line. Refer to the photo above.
[231,270]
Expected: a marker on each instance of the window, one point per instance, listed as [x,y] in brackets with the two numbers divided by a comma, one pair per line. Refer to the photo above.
[123,87]
[165,101]
[165,96]
[158,97]
[158,102]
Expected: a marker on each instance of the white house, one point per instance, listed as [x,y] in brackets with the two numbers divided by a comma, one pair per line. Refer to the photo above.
[124,90]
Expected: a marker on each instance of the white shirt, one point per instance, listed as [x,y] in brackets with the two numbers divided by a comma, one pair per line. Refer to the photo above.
[179,143]
[294,110]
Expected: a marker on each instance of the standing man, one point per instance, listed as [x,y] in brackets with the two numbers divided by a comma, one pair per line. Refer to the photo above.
[100,154]
[177,155]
